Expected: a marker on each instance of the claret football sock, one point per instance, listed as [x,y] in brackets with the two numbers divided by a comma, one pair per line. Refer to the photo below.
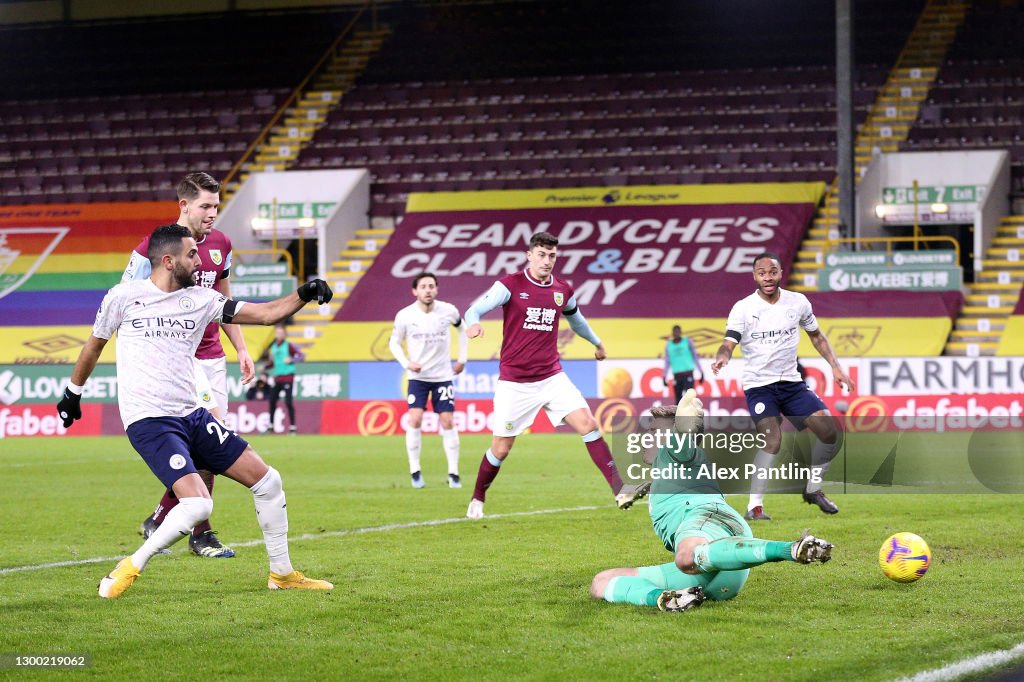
[602,457]
[489,468]
[733,554]
[167,503]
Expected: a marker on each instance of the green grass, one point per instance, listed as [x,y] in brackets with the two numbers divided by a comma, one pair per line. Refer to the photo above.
[505,598]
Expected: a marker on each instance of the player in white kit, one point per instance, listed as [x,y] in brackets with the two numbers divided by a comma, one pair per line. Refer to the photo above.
[425,326]
[159,322]
[767,325]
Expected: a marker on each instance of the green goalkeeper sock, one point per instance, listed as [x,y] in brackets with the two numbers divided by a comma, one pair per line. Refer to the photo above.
[631,590]
[733,554]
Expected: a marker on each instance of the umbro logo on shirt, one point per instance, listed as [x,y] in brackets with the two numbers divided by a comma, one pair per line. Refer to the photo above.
[524,295]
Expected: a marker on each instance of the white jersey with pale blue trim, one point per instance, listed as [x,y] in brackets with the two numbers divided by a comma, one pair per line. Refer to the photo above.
[427,338]
[157,336]
[769,335]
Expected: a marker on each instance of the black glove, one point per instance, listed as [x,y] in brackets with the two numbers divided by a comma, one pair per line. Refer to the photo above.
[317,289]
[69,408]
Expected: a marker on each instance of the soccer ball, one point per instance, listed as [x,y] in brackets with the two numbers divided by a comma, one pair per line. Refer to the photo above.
[904,557]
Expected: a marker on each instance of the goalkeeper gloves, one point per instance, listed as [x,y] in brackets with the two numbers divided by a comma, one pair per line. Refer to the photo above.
[69,408]
[317,289]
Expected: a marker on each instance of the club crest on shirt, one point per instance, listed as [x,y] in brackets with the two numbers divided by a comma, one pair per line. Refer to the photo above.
[559,298]
[216,256]
[186,303]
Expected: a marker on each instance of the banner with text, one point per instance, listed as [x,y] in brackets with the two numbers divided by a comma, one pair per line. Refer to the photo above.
[624,249]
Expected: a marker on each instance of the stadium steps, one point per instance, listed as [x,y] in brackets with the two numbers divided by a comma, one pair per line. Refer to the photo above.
[284,142]
[994,295]
[888,123]
[346,271]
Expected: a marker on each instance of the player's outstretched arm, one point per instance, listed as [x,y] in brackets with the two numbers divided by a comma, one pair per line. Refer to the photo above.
[579,324]
[69,408]
[722,356]
[281,309]
[496,296]
[824,348]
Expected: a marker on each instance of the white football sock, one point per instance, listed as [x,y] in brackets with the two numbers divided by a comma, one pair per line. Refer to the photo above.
[450,438]
[178,523]
[413,437]
[822,455]
[272,515]
[759,482]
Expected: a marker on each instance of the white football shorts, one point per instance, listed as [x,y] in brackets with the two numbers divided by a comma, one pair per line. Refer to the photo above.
[516,404]
[212,383]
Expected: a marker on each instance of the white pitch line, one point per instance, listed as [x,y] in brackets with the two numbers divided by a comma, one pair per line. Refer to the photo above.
[968,666]
[314,536]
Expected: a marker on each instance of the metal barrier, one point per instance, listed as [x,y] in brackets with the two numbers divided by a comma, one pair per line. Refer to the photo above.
[241,253]
[887,241]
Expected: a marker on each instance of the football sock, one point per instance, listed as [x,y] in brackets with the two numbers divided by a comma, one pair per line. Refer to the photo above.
[272,515]
[822,455]
[602,457]
[166,504]
[625,589]
[208,479]
[450,439]
[759,481]
[732,554]
[413,441]
[176,524]
[489,468]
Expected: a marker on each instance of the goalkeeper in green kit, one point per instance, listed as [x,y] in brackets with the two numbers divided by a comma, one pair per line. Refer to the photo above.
[712,545]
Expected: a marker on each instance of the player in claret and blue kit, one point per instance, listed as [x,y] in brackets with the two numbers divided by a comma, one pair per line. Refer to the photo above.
[530,373]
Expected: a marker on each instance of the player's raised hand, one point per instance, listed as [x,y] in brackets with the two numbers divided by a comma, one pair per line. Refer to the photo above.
[69,408]
[247,366]
[843,379]
[474,331]
[720,362]
[599,352]
[317,289]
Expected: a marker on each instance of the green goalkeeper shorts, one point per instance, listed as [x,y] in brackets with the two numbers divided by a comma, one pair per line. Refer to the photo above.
[706,516]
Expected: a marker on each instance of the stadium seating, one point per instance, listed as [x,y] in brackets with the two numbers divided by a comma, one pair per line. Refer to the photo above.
[111,112]
[500,97]
[976,101]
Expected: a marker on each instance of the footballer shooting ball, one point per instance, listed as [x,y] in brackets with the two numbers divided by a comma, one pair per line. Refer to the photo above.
[904,557]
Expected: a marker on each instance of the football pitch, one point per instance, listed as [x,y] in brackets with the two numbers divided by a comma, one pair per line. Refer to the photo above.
[422,593]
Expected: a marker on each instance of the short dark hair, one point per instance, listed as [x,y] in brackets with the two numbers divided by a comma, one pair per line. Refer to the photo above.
[194,183]
[676,328]
[545,239]
[423,275]
[767,254]
[166,239]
